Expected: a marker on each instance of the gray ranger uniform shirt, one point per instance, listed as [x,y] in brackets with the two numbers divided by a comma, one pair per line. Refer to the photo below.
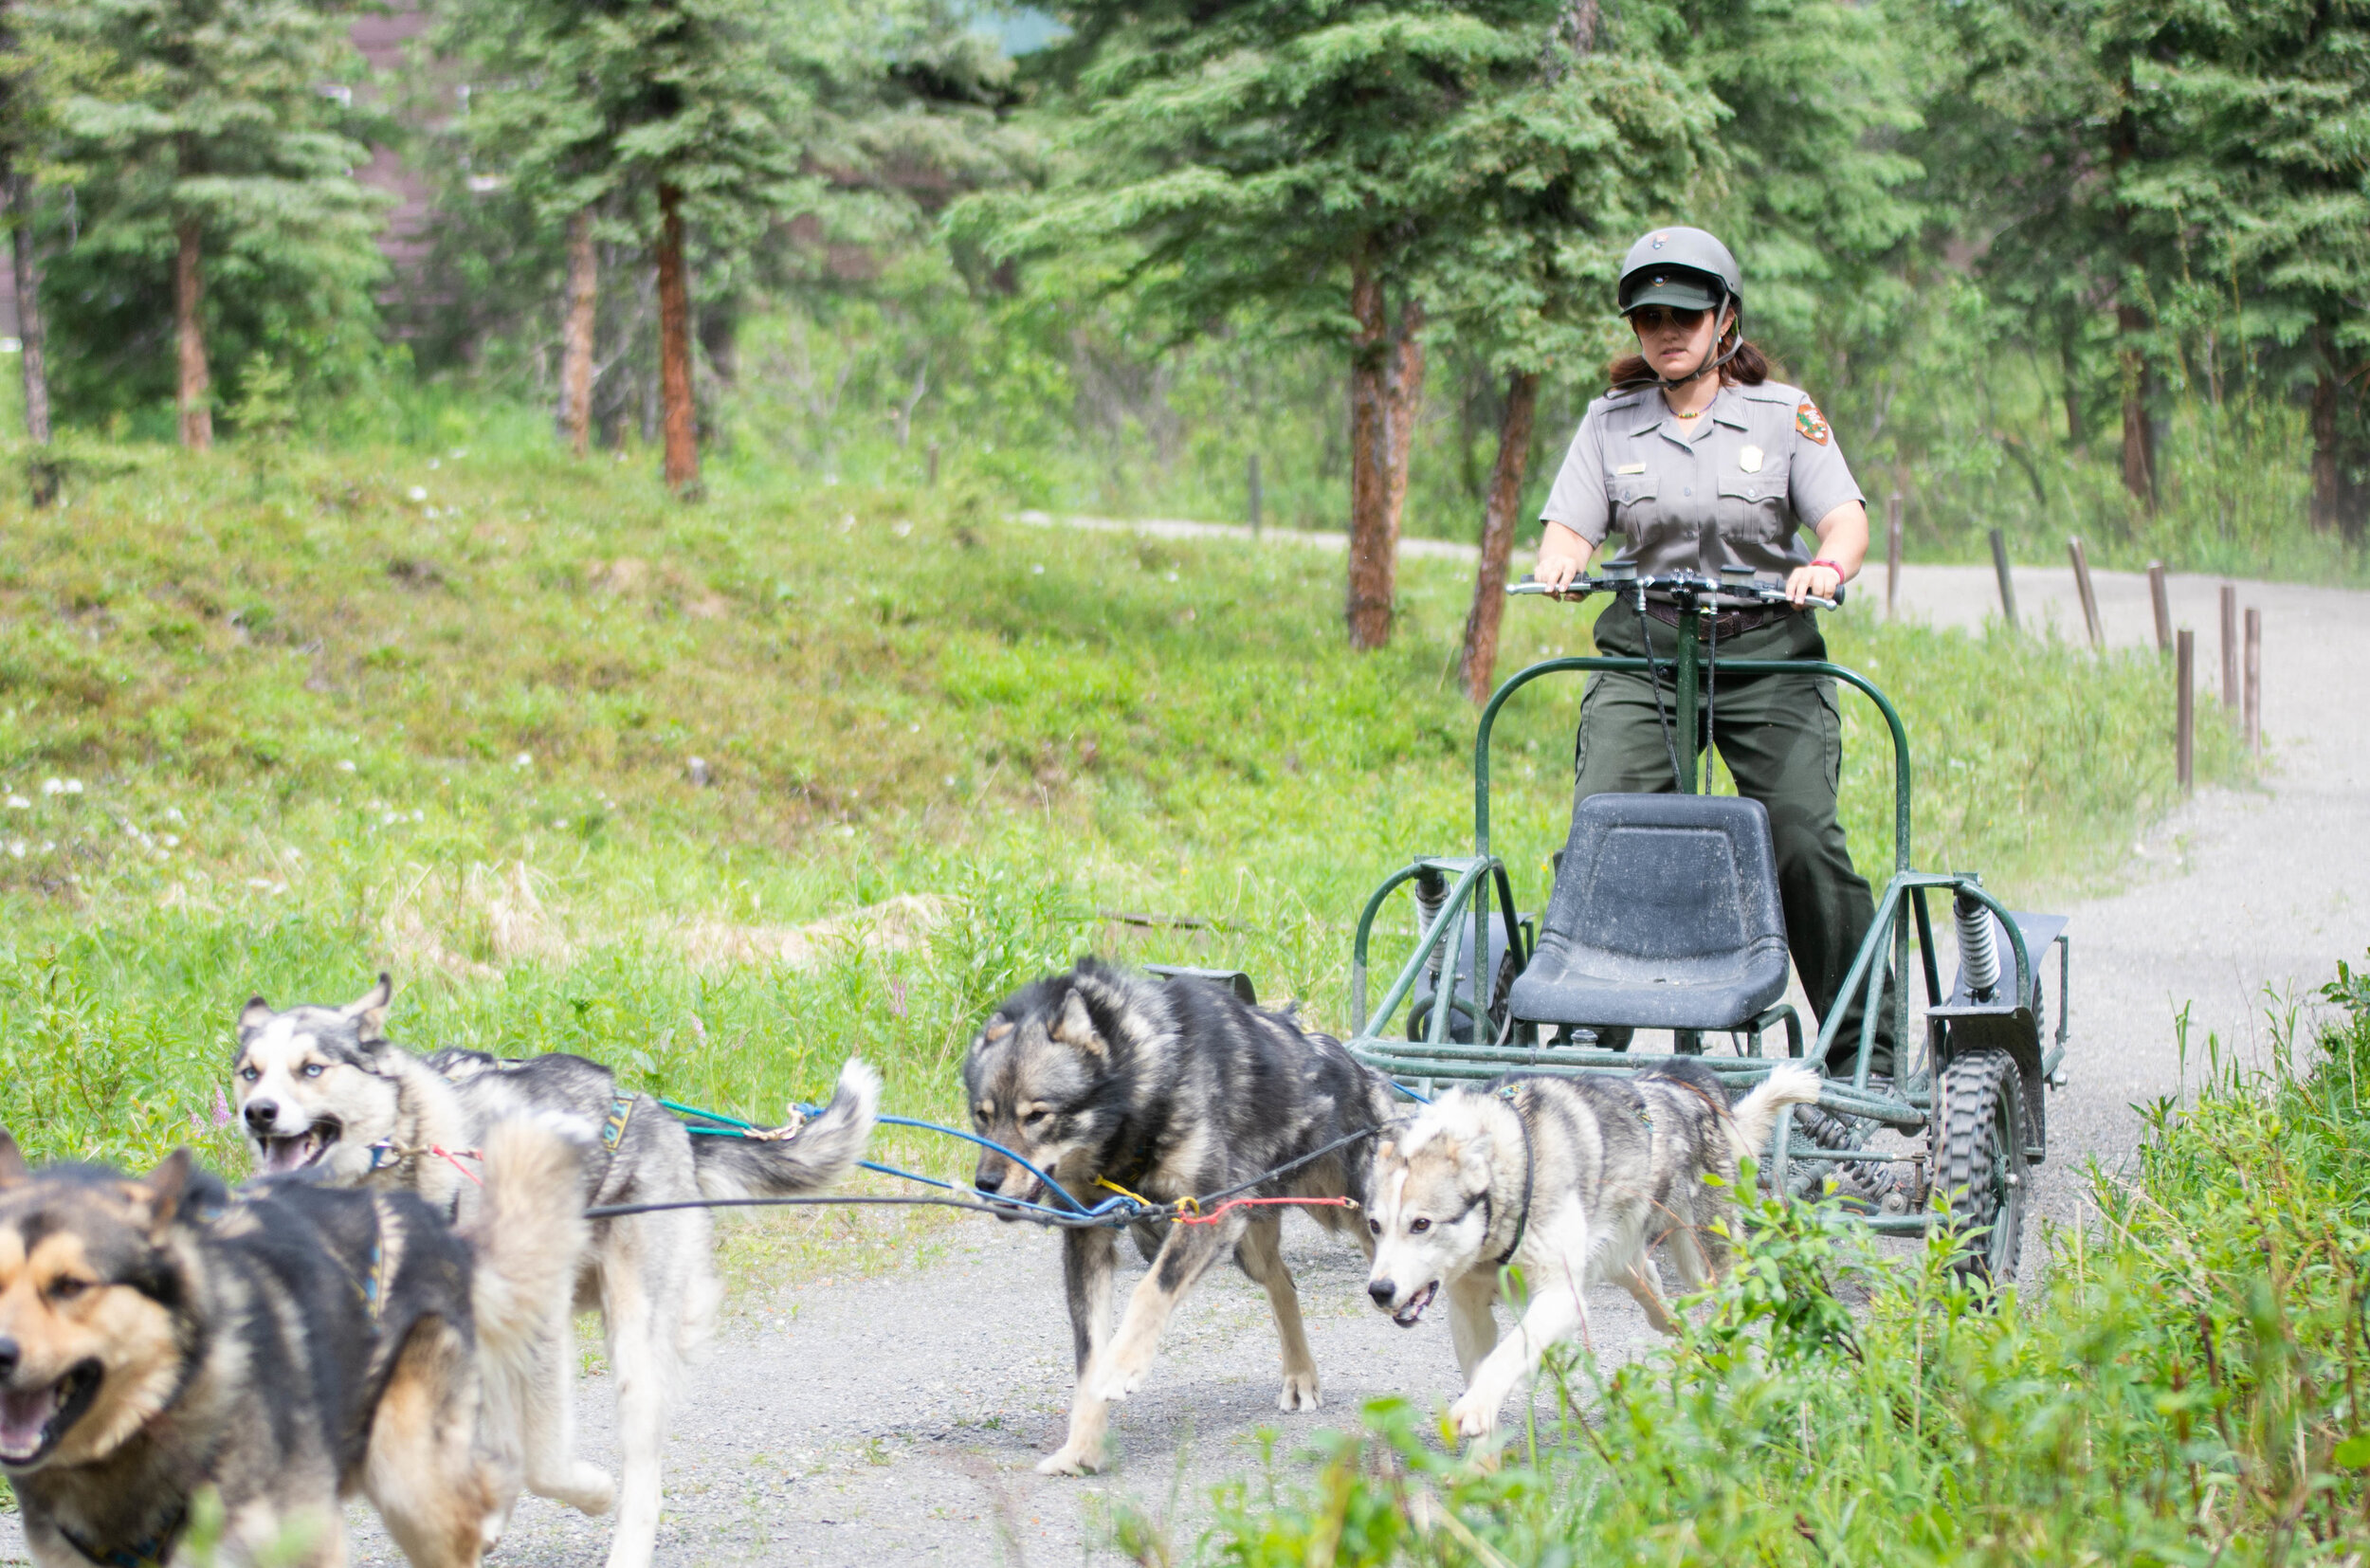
[1762,469]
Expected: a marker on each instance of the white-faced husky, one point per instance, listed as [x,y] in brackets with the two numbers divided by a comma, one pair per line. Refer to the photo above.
[1574,1181]
[322,1089]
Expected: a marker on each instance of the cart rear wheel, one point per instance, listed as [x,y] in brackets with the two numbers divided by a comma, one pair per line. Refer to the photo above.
[1981,1164]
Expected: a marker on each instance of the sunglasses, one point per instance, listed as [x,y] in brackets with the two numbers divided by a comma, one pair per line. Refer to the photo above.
[1655,318]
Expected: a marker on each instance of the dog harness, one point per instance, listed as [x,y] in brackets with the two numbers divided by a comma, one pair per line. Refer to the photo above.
[1530,1165]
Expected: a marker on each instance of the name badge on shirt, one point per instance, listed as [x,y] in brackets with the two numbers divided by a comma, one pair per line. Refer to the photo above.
[1750,460]
[1640,467]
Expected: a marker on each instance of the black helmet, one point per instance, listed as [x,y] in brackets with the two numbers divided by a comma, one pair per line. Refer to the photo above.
[1682,267]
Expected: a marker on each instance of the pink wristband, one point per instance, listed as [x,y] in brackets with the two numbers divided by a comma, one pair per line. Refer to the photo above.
[1830,565]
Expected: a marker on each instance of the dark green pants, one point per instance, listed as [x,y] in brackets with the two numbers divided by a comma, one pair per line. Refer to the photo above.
[1782,737]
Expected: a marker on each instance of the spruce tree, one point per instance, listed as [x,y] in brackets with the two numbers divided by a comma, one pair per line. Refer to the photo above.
[1547,189]
[1270,158]
[641,118]
[213,135]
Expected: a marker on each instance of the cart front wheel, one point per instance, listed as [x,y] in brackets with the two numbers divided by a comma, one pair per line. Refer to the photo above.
[1981,1160]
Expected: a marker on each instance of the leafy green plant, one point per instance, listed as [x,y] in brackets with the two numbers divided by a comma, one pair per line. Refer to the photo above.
[2183,1388]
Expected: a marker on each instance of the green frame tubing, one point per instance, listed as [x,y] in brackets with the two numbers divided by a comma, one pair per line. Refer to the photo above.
[1479,881]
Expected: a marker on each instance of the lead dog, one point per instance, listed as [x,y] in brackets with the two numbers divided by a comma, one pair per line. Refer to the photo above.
[288,1344]
[322,1089]
[1571,1179]
[1171,1091]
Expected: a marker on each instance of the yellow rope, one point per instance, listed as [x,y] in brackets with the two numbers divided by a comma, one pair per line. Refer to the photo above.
[1113,1186]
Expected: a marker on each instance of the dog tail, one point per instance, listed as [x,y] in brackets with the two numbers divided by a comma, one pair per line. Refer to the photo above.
[527,1236]
[1751,1118]
[815,1157]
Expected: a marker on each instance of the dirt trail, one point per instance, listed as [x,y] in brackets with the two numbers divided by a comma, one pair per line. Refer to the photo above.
[896,1420]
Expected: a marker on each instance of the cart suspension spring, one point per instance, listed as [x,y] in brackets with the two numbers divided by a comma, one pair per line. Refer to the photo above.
[1979,953]
[1431,891]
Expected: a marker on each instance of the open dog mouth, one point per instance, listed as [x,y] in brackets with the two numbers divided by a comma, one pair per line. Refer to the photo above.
[279,1155]
[1406,1316]
[32,1420]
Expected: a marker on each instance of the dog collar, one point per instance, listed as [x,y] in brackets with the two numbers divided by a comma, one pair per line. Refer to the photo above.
[1530,1163]
[152,1552]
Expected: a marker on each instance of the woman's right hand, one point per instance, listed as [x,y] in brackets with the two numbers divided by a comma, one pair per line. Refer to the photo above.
[1563,556]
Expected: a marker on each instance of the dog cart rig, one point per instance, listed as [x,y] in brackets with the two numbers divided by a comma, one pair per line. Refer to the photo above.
[1665,915]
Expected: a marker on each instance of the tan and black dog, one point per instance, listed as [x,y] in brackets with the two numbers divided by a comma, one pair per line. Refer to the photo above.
[1171,1090]
[287,1345]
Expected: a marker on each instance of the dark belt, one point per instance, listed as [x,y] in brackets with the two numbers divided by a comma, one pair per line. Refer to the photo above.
[1728,623]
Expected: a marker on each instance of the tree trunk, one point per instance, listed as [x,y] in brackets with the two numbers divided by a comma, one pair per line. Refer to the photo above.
[2327,475]
[30,330]
[196,388]
[1478,667]
[719,339]
[1405,391]
[575,336]
[2077,433]
[2139,436]
[678,417]
[1373,547]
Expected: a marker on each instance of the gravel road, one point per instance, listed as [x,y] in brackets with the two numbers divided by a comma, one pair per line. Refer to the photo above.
[895,1420]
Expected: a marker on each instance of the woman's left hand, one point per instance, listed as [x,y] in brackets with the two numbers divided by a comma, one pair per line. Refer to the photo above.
[1809,582]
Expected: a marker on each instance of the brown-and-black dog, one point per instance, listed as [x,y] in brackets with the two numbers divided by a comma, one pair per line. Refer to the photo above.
[287,1345]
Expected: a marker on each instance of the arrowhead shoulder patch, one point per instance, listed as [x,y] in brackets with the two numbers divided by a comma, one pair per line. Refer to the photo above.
[1809,424]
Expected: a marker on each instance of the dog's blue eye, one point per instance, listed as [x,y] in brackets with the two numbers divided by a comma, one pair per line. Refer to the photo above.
[250,1074]
[312,1069]
[1417,1227]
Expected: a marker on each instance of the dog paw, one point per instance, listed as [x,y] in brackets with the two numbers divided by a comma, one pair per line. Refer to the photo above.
[1475,1415]
[587,1488]
[1300,1392]
[1068,1462]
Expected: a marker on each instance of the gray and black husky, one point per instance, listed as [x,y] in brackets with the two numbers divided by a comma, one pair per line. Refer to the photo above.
[287,1344]
[1170,1090]
[322,1089]
[1574,1181]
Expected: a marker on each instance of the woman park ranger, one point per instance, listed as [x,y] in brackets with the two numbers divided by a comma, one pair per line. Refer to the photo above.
[1700,461]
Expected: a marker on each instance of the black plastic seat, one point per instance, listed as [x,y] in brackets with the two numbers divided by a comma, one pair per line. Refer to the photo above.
[1665,915]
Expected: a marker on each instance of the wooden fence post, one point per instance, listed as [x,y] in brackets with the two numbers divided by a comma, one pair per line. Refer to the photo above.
[2185,709]
[1255,496]
[2230,646]
[2163,603]
[2089,599]
[2254,678]
[1892,555]
[2007,586]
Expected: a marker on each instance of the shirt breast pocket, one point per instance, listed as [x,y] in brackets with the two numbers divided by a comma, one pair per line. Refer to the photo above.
[1633,497]
[1753,506]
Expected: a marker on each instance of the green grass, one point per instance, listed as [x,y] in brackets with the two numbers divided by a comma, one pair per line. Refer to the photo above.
[436,713]
[2186,1389]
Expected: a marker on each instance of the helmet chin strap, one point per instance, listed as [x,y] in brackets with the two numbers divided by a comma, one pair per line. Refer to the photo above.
[1710,365]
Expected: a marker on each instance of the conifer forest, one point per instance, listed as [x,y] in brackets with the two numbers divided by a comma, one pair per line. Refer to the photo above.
[2085,265]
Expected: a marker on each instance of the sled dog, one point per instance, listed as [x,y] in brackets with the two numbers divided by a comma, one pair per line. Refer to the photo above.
[322,1089]
[287,1344]
[1574,1181]
[1109,1080]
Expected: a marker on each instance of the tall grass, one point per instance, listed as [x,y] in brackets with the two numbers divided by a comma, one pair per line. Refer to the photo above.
[2186,1388]
[272,728]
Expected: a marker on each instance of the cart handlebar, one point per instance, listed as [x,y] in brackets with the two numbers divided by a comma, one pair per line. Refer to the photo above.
[1689,589]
